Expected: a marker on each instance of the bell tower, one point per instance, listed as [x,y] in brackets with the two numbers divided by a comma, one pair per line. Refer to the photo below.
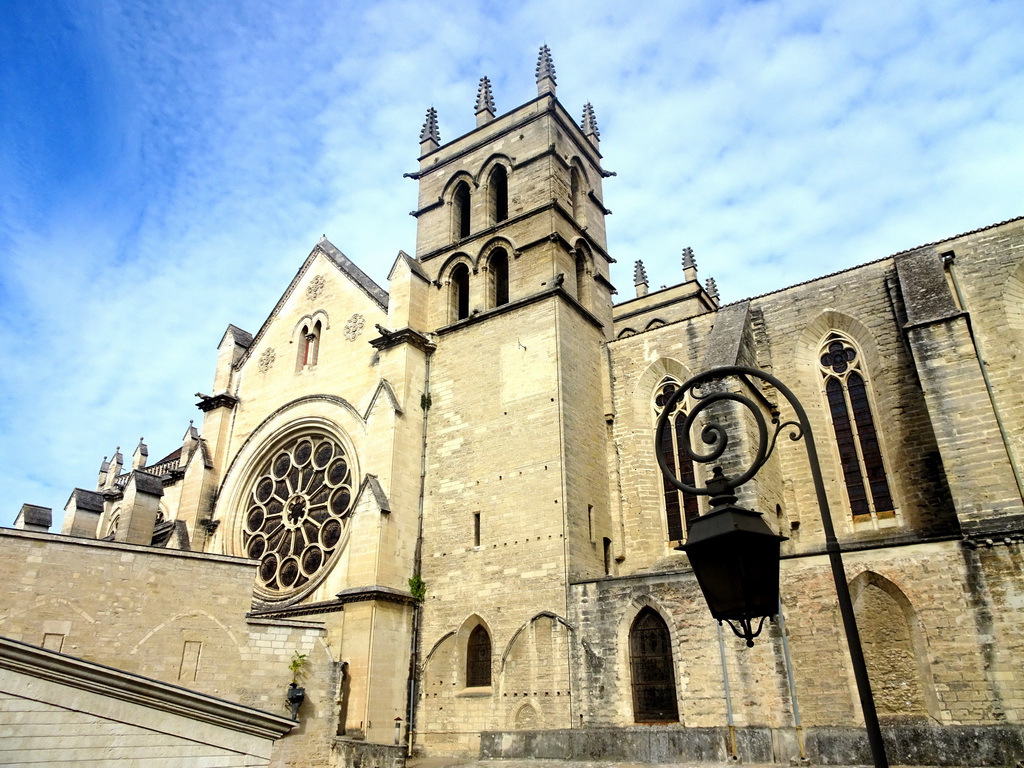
[518,202]
[513,273]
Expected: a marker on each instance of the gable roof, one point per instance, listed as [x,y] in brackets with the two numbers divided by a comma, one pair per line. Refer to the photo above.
[345,265]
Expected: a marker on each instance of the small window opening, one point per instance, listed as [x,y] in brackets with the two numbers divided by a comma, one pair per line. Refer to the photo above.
[607,557]
[478,658]
[476,529]
[498,188]
[460,210]
[576,192]
[498,272]
[309,345]
[460,292]
[590,521]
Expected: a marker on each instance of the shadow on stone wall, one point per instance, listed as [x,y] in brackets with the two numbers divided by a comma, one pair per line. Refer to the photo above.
[905,745]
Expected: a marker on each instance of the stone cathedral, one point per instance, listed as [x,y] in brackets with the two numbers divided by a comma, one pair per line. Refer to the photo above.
[431,517]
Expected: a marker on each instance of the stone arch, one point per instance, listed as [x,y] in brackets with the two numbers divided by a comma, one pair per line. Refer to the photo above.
[625,333]
[456,277]
[528,718]
[895,648]
[458,194]
[495,176]
[804,359]
[579,189]
[528,662]
[473,623]
[653,375]
[583,259]
[641,605]
[496,261]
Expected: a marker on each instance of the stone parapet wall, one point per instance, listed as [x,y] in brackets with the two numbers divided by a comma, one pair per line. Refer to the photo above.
[905,745]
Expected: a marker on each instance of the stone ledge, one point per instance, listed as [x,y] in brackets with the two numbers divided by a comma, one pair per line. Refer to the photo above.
[908,744]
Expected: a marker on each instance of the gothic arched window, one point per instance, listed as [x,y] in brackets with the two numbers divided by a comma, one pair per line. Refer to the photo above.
[576,193]
[652,670]
[498,274]
[478,658]
[309,345]
[460,292]
[860,455]
[460,210]
[497,188]
[680,508]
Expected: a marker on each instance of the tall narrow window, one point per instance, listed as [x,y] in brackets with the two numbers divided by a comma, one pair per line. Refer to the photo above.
[607,557]
[309,345]
[860,455]
[498,274]
[650,662]
[478,658]
[681,509]
[581,277]
[476,529]
[460,292]
[460,210]
[576,192]
[497,187]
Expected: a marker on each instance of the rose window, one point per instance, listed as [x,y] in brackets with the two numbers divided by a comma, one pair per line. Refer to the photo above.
[298,509]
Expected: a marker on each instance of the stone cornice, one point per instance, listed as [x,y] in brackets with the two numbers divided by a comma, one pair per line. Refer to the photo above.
[403,336]
[142,691]
[346,596]
[211,402]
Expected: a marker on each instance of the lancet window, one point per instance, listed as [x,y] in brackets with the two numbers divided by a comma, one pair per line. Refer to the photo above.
[460,210]
[478,658]
[680,508]
[497,186]
[847,395]
[460,292]
[497,266]
[652,670]
[309,344]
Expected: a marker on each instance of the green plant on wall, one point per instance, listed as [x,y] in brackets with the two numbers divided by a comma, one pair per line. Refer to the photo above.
[297,666]
[418,587]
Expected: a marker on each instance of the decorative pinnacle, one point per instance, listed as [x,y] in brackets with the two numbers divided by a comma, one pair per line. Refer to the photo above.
[712,288]
[589,122]
[430,132]
[545,70]
[484,99]
[688,261]
[639,273]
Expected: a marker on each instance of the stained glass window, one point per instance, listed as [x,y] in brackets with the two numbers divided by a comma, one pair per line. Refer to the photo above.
[298,507]
[680,508]
[860,455]
[478,658]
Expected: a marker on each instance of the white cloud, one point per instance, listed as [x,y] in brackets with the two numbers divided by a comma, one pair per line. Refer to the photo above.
[779,140]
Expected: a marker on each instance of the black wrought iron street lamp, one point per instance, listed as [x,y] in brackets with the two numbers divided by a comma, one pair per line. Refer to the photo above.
[733,552]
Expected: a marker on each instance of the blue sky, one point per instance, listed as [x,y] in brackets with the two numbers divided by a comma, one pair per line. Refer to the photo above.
[168,165]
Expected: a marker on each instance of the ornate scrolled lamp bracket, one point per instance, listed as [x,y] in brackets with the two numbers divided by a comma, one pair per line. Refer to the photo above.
[733,551]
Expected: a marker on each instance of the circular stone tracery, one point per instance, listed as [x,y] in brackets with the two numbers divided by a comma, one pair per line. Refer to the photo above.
[298,506]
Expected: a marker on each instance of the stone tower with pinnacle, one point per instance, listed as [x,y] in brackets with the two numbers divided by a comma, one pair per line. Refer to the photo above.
[510,281]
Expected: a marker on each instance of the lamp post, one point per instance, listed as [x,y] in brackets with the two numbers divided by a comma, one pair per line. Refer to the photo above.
[733,552]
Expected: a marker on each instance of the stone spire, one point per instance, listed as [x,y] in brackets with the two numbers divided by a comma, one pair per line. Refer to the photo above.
[589,124]
[640,279]
[141,455]
[102,478]
[545,72]
[712,289]
[689,264]
[430,139]
[484,102]
[114,468]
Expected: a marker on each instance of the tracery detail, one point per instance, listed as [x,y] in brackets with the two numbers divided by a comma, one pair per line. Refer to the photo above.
[267,359]
[860,455]
[680,507]
[315,287]
[298,507]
